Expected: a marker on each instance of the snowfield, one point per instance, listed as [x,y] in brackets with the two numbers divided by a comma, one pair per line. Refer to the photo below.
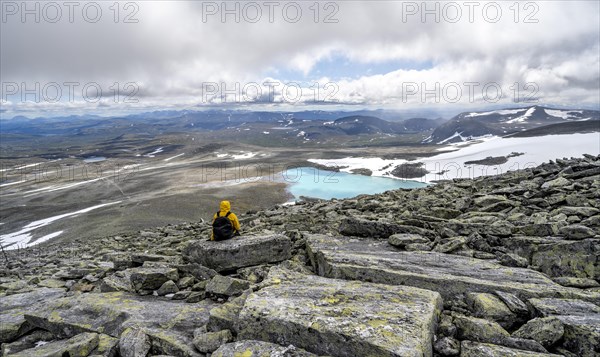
[450,165]
[22,238]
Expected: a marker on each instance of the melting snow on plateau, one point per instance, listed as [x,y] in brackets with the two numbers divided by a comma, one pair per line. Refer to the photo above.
[564,114]
[523,117]
[501,112]
[450,165]
[22,238]
[243,155]
[174,157]
[153,153]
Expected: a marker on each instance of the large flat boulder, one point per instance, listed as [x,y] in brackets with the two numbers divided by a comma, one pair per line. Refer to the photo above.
[340,318]
[78,346]
[582,334]
[574,307]
[170,324]
[14,307]
[239,252]
[569,258]
[450,275]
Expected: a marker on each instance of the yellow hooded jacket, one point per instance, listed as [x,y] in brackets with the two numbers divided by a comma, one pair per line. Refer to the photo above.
[224,207]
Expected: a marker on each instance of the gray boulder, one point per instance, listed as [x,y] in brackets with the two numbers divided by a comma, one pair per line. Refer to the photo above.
[448,274]
[77,346]
[402,240]
[574,307]
[210,341]
[238,252]
[226,286]
[547,331]
[14,307]
[341,318]
[134,343]
[151,278]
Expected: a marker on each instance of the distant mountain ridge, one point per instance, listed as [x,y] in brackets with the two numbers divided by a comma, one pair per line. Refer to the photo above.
[469,125]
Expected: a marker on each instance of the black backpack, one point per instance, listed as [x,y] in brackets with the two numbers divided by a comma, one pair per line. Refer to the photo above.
[222,227]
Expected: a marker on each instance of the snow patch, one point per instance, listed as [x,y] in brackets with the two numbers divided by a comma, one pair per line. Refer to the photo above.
[500,112]
[153,153]
[523,117]
[174,157]
[11,240]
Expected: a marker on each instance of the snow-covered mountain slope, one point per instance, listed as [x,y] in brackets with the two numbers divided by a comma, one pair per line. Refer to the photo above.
[466,126]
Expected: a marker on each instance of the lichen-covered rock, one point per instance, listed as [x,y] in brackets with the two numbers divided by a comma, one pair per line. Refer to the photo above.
[210,341]
[582,334]
[547,330]
[168,287]
[513,302]
[581,283]
[490,307]
[481,330]
[108,346]
[225,316]
[548,307]
[239,252]
[402,240]
[259,349]
[341,318]
[77,346]
[28,341]
[226,286]
[359,227]
[568,258]
[577,232]
[134,343]
[475,349]
[151,278]
[447,346]
[448,274]
[170,324]
[14,307]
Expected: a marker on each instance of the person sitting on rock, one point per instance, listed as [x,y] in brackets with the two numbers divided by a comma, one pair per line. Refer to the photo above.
[225,223]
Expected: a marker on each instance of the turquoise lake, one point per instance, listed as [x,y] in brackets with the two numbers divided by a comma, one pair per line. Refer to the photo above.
[317,183]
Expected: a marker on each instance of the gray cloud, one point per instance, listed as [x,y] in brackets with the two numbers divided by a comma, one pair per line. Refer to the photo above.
[170,52]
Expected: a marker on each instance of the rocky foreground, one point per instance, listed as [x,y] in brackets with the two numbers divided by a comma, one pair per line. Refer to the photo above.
[498,266]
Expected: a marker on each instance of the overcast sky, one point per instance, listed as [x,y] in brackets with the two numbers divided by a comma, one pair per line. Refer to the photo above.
[274,55]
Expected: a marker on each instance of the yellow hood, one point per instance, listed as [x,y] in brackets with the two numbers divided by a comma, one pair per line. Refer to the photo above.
[225,206]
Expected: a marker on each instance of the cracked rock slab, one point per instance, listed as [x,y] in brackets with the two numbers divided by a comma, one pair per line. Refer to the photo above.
[170,324]
[450,275]
[341,318]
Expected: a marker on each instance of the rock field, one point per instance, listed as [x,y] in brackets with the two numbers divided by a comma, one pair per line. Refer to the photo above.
[507,265]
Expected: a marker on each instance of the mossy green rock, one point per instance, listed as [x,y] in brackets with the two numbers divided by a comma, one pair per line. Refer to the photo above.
[250,348]
[341,318]
[77,346]
[448,274]
[238,252]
